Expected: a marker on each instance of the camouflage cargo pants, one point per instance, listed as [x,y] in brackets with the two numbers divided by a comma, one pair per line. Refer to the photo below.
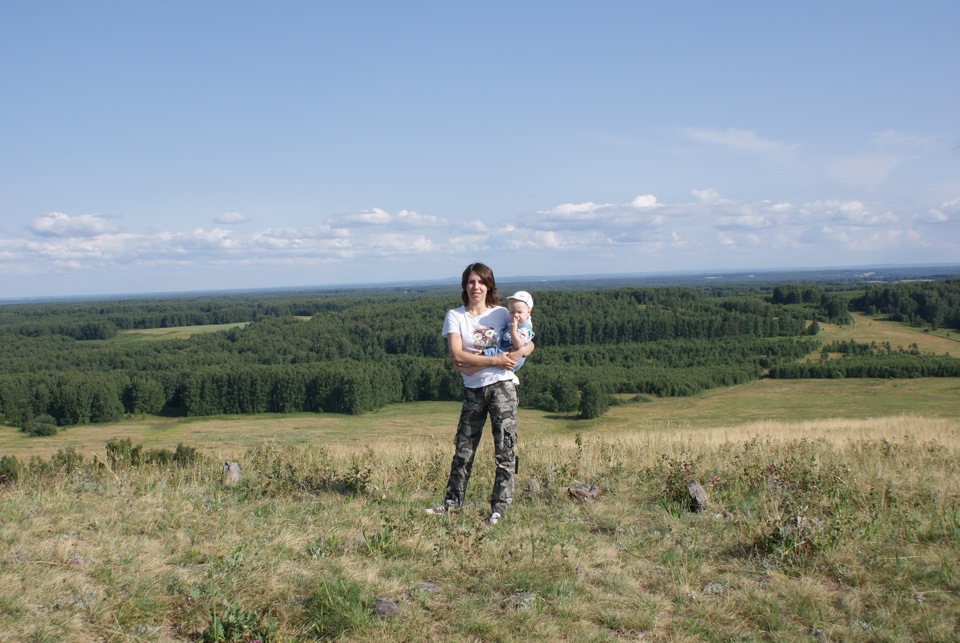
[500,401]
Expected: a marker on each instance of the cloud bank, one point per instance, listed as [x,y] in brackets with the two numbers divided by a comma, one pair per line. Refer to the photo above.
[642,234]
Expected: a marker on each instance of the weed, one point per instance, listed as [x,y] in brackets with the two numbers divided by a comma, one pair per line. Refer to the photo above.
[238,625]
[338,607]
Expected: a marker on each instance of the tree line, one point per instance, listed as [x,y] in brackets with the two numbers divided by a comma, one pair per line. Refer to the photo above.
[923,303]
[357,352]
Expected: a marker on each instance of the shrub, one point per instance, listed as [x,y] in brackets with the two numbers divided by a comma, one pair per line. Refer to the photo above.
[121,452]
[41,426]
[10,469]
[67,460]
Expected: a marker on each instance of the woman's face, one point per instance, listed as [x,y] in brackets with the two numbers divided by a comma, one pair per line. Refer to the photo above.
[476,290]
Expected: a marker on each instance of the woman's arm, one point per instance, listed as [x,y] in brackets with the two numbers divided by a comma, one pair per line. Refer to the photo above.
[470,370]
[461,357]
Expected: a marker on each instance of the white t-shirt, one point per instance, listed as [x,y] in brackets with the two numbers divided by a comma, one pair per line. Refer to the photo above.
[478,333]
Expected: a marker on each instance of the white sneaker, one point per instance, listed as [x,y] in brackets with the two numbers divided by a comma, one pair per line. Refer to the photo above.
[494,518]
[440,510]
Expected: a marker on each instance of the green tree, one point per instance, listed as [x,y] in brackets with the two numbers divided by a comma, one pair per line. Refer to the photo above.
[594,400]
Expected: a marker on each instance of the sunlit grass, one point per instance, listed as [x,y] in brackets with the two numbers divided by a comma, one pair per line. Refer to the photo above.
[790,401]
[316,532]
[176,332]
[866,329]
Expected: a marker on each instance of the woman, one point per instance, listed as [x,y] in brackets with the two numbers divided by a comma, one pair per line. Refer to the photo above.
[490,387]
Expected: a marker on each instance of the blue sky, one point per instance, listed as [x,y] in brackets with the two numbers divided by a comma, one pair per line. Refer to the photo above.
[177,146]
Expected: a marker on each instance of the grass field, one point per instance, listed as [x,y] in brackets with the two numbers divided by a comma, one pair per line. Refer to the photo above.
[177,332]
[835,529]
[834,515]
[865,329]
[762,401]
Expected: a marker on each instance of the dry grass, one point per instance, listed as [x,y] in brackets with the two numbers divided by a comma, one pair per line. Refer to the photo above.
[314,534]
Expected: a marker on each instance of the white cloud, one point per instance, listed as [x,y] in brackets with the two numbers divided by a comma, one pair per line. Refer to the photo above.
[951,207]
[737,139]
[575,210]
[642,232]
[230,218]
[380,217]
[644,201]
[57,224]
[708,196]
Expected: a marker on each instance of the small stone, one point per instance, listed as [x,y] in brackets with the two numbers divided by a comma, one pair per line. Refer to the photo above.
[386,608]
[230,473]
[583,492]
[714,588]
[531,489]
[428,588]
[521,600]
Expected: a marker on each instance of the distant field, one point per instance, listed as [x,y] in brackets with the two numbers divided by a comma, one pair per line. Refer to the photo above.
[764,401]
[176,332]
[866,329]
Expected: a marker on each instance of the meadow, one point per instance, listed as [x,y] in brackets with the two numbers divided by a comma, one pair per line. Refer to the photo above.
[834,515]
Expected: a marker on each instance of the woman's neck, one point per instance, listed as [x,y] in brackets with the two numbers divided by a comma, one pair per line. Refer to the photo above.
[475,310]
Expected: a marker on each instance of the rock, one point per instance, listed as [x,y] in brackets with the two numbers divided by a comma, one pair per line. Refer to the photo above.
[427,587]
[583,492]
[532,489]
[698,496]
[230,474]
[386,608]
[715,588]
[521,600]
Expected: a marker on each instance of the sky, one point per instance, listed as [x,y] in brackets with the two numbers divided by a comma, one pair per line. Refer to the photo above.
[153,147]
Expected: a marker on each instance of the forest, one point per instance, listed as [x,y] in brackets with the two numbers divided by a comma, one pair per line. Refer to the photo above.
[352,352]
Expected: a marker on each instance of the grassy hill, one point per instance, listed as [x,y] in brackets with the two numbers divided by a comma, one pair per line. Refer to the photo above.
[841,529]
[834,515]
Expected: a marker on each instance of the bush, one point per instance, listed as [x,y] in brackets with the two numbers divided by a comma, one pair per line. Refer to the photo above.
[41,426]
[121,452]
[66,460]
[10,469]
[594,401]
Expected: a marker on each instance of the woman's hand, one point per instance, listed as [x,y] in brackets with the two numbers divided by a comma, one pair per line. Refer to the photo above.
[506,361]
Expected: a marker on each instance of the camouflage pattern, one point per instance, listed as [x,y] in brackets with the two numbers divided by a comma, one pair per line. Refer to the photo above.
[500,400]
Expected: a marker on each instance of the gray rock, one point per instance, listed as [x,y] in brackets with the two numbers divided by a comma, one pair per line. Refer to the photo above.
[532,489]
[230,473]
[583,492]
[386,608]
[698,496]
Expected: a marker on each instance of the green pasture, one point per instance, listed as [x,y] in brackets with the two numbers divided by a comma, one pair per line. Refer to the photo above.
[434,422]
[176,332]
[866,329]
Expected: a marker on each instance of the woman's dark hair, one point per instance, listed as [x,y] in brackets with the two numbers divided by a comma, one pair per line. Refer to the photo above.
[486,276]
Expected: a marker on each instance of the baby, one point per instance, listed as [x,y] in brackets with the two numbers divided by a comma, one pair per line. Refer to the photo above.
[520,332]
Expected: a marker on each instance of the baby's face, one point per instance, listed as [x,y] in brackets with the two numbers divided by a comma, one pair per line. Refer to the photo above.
[518,309]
